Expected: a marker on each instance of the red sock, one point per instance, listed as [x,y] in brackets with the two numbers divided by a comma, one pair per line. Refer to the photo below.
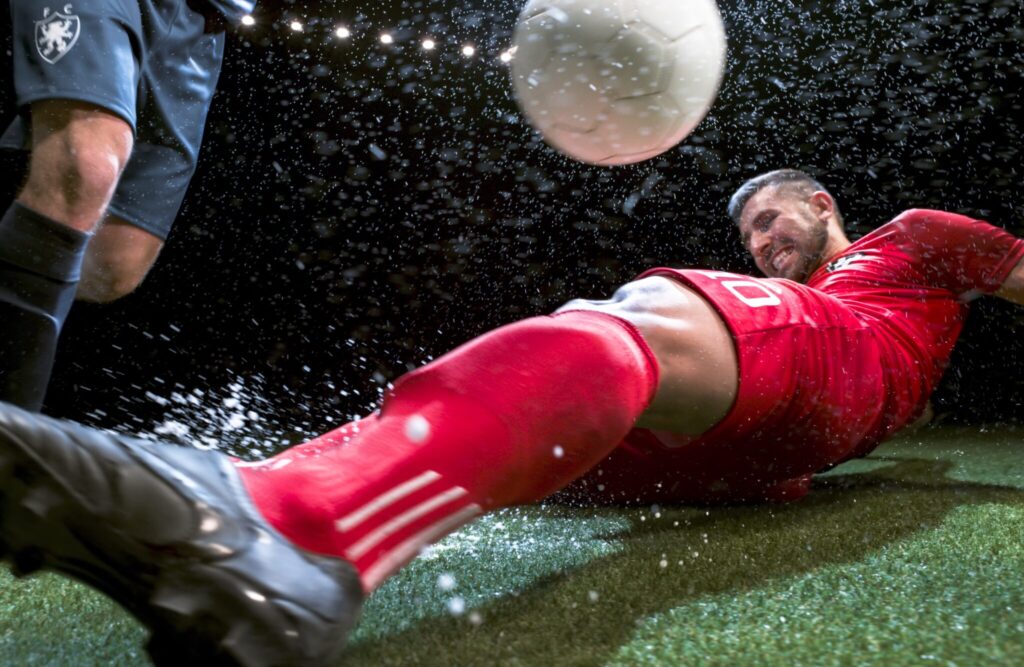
[509,418]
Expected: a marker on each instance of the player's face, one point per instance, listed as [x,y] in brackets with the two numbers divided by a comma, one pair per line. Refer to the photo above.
[782,232]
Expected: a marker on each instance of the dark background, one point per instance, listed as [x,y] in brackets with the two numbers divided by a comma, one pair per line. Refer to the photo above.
[360,208]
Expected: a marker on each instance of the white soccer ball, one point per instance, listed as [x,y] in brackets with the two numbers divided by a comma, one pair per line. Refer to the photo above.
[617,81]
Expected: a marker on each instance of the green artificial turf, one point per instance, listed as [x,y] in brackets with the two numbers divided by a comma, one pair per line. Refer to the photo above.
[911,557]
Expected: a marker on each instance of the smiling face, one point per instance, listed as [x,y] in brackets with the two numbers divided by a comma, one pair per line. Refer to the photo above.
[789,233]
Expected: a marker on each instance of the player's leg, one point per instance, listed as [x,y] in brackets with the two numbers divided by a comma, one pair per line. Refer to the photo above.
[78,152]
[507,418]
[168,532]
[693,346]
[173,535]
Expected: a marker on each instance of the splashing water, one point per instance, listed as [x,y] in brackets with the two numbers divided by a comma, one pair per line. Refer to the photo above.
[237,419]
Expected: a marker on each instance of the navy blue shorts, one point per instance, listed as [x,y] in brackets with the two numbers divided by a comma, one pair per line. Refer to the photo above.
[151,62]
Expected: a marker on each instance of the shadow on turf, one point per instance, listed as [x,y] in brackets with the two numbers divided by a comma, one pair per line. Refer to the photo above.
[722,550]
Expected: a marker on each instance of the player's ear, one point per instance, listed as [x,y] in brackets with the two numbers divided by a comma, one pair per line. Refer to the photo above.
[822,205]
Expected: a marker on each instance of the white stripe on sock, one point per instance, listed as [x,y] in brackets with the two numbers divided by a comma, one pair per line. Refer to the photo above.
[407,550]
[383,500]
[360,548]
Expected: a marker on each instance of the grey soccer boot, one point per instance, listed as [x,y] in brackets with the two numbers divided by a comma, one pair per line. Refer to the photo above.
[170,534]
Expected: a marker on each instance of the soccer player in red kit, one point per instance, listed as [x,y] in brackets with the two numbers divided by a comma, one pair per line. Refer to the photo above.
[685,386]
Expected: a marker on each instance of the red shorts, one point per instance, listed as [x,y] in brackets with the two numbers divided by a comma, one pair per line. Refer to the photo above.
[811,392]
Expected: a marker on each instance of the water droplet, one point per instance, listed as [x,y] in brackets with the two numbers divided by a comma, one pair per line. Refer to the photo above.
[456,606]
[417,428]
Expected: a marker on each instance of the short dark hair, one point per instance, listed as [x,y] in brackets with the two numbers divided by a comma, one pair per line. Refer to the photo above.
[798,181]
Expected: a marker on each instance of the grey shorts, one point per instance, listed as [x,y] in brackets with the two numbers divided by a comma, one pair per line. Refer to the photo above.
[148,61]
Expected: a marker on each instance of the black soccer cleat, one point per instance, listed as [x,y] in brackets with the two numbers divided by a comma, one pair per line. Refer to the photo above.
[171,534]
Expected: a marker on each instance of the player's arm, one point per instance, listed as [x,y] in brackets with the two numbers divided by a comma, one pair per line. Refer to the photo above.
[966,256]
[1013,286]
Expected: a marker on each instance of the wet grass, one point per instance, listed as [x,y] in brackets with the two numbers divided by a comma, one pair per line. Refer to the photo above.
[913,556]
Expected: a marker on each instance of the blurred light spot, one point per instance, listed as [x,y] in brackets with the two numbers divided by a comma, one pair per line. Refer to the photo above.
[468,50]
[429,44]
[386,38]
[342,32]
[248,20]
[296,26]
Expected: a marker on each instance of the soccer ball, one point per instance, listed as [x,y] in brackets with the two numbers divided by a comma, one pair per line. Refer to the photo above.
[617,81]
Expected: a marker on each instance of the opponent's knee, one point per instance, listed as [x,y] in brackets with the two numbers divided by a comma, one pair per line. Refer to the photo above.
[78,155]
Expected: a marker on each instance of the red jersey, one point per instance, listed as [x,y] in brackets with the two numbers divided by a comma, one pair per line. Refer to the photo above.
[827,370]
[910,281]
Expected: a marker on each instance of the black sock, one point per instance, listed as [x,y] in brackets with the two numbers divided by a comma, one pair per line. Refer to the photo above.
[40,264]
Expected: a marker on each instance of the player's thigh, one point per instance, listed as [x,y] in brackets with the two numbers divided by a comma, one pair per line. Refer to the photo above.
[117,260]
[699,373]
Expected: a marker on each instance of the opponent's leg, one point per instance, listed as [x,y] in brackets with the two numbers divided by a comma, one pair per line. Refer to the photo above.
[78,152]
[117,260]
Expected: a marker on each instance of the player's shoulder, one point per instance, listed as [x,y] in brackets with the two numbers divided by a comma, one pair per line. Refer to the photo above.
[929,227]
[922,232]
[915,218]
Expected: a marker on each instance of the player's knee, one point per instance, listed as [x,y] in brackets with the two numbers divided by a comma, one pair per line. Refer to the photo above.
[640,302]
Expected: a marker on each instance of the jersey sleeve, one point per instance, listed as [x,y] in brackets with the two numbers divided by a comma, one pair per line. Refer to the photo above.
[958,253]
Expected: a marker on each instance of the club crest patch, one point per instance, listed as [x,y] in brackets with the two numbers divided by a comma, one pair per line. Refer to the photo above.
[844,262]
[57,33]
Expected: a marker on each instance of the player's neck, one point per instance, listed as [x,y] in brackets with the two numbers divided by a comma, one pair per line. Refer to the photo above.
[836,245]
